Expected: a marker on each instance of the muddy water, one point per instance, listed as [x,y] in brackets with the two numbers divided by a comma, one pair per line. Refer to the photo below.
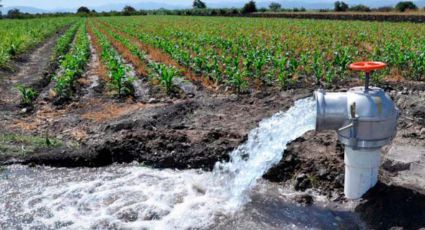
[132,196]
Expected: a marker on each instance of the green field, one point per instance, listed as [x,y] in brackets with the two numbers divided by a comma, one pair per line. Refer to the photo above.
[235,52]
[18,36]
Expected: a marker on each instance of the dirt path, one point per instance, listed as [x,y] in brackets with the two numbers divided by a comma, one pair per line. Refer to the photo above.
[33,71]
[93,78]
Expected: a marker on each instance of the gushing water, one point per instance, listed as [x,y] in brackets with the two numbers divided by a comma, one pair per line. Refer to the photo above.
[139,197]
[263,149]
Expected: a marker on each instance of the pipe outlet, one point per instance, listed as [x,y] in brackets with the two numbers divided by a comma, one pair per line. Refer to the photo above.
[365,119]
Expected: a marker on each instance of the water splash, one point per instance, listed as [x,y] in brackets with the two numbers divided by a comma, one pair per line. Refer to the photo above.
[139,197]
[263,149]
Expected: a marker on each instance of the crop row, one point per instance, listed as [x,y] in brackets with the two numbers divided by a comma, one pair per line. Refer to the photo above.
[119,81]
[73,64]
[19,35]
[27,93]
[157,71]
[64,43]
[237,51]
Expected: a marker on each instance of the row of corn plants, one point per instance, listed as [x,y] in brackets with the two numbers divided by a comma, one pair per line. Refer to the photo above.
[160,72]
[233,65]
[73,64]
[281,51]
[63,44]
[17,36]
[119,81]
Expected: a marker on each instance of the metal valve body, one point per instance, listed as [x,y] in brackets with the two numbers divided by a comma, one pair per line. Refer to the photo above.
[363,119]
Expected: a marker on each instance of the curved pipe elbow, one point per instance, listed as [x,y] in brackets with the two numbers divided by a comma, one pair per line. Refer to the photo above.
[332,113]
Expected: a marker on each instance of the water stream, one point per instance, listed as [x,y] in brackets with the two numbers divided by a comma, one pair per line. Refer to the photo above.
[136,197]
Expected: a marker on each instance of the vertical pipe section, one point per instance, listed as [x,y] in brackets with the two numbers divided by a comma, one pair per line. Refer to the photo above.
[361,171]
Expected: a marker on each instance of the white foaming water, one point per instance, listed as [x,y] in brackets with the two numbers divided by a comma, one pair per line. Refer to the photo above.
[122,197]
[263,149]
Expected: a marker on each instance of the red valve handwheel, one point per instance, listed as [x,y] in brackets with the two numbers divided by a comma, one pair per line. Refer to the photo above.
[367,66]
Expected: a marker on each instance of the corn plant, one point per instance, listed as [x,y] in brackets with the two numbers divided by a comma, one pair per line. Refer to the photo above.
[418,66]
[129,45]
[165,75]
[64,43]
[73,64]
[18,36]
[342,59]
[280,64]
[119,81]
[330,74]
[122,84]
[317,67]
[283,79]
[237,80]
[27,95]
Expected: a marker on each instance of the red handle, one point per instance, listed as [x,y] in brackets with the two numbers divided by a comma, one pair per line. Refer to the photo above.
[367,66]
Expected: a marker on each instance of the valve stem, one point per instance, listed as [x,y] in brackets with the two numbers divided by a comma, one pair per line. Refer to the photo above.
[366,84]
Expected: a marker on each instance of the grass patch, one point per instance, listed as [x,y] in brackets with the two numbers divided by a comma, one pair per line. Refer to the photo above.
[15,144]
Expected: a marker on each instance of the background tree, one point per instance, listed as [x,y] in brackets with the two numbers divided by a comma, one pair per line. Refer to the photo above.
[1,6]
[274,6]
[250,7]
[360,8]
[403,6]
[234,11]
[128,10]
[198,4]
[83,10]
[14,13]
[340,6]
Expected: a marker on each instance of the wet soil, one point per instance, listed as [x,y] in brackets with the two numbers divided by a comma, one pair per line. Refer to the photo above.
[393,207]
[198,130]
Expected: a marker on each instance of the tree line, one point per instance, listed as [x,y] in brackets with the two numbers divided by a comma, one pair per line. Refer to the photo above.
[200,8]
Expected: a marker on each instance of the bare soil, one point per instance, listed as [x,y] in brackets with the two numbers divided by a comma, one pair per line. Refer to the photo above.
[198,130]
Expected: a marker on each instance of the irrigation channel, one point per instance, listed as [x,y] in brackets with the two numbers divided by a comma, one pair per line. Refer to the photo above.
[132,196]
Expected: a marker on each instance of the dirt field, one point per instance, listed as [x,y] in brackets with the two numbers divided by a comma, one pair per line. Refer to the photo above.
[199,126]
